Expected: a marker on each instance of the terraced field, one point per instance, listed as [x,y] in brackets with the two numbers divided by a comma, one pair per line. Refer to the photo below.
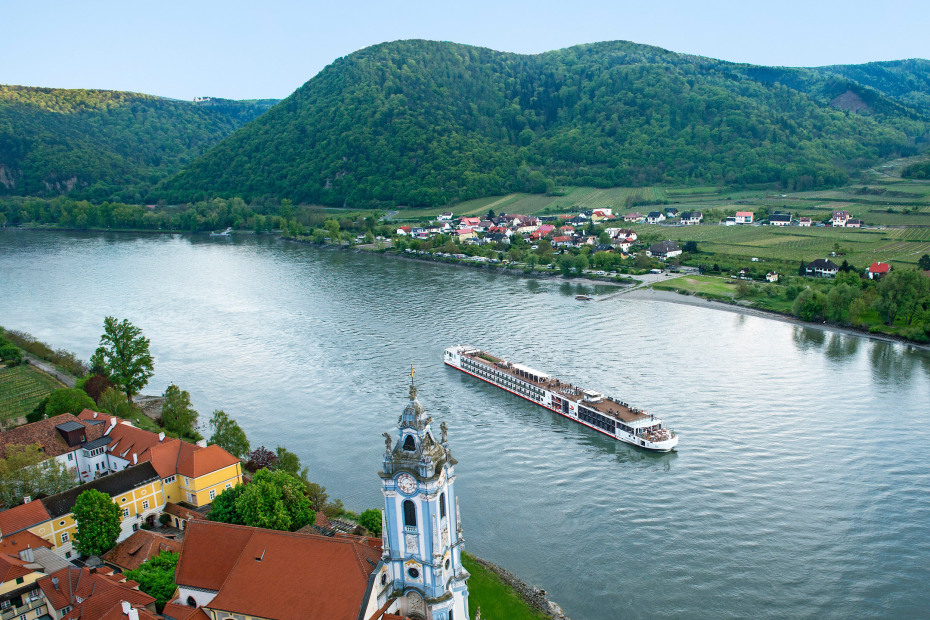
[21,389]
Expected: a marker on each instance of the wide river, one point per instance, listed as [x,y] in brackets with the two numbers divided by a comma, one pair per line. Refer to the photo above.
[800,488]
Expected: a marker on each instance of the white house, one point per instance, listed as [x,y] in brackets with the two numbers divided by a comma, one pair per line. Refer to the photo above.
[744,217]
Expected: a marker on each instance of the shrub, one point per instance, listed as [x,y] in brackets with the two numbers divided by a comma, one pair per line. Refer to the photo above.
[96,385]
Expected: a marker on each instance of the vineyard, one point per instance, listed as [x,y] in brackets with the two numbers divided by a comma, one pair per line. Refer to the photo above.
[21,389]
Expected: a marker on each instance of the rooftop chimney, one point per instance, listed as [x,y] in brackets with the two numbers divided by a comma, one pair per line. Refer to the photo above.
[135,458]
[161,437]
[112,426]
[126,607]
[55,582]
[95,415]
[133,614]
[27,499]
[202,443]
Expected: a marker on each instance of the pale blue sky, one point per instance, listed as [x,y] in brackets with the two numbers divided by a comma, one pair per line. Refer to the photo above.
[256,49]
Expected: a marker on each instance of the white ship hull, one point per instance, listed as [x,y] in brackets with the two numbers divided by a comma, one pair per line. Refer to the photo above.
[609,417]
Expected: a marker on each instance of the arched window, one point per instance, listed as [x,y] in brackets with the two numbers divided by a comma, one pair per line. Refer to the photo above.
[442,505]
[409,444]
[450,614]
[191,602]
[410,514]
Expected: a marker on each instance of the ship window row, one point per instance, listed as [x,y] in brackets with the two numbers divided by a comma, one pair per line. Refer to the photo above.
[592,417]
[505,379]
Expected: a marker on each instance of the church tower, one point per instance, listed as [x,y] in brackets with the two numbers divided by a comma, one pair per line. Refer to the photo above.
[422,532]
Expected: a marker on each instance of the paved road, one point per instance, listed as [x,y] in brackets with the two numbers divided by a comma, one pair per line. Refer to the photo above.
[48,368]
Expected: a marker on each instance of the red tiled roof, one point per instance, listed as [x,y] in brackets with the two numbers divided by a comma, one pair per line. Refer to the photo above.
[17,542]
[879,267]
[176,611]
[98,591]
[138,548]
[275,574]
[22,517]
[180,511]
[43,433]
[169,456]
[116,613]
[12,567]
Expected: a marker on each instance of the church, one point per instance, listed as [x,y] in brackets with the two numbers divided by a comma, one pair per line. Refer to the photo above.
[413,571]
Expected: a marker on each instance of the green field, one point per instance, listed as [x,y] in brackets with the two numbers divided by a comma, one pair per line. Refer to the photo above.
[21,389]
[496,600]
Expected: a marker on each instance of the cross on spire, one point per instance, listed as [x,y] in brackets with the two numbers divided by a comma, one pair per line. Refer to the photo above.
[413,389]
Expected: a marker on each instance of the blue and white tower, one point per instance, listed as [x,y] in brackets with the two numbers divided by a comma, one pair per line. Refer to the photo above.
[422,531]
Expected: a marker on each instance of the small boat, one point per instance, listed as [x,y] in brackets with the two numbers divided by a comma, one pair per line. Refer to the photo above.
[583,297]
[225,233]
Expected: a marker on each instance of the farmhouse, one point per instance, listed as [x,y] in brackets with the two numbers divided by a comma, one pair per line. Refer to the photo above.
[839,218]
[780,219]
[744,217]
[804,221]
[878,270]
[690,218]
[822,268]
[664,250]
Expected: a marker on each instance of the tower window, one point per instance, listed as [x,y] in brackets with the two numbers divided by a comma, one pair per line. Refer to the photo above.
[410,514]
[409,444]
[442,505]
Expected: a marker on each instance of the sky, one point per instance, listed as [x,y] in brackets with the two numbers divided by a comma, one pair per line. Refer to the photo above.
[268,48]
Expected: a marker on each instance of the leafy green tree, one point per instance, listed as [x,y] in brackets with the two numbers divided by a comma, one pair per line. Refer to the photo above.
[68,400]
[849,277]
[924,262]
[125,352]
[802,270]
[901,292]
[177,414]
[10,354]
[371,521]
[228,435]
[155,577]
[839,300]
[223,508]
[290,462]
[690,247]
[26,470]
[98,521]
[810,305]
[113,401]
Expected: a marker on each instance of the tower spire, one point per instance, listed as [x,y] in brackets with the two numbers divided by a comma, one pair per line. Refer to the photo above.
[413,388]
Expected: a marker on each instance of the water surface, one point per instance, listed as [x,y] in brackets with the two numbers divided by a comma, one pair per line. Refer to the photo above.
[799,488]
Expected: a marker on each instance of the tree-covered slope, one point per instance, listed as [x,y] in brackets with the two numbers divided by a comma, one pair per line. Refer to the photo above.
[426,123]
[906,81]
[105,144]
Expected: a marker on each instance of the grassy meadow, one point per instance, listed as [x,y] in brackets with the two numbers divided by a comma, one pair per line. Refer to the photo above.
[497,600]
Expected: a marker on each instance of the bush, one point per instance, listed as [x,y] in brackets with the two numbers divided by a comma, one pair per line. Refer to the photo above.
[96,385]
[371,521]
[11,355]
[68,400]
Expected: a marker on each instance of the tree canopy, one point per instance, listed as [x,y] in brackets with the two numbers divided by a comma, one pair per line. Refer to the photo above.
[26,470]
[427,123]
[125,353]
[228,435]
[68,400]
[177,414]
[155,577]
[274,500]
[98,520]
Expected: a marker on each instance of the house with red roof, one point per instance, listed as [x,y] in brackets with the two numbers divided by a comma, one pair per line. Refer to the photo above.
[469,222]
[542,231]
[878,270]
[84,593]
[19,594]
[839,218]
[138,548]
[240,571]
[744,217]
[404,231]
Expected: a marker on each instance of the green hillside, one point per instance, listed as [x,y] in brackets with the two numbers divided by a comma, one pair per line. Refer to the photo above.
[425,123]
[105,145]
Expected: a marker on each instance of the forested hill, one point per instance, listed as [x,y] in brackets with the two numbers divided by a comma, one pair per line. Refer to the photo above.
[105,144]
[428,123]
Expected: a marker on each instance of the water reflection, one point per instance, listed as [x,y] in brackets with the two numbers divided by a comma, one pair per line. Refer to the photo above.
[808,339]
[891,365]
[842,346]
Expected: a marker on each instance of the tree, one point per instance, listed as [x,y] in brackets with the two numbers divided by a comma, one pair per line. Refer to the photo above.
[10,354]
[371,521]
[96,385]
[155,577]
[261,458]
[177,414]
[924,262]
[690,246]
[810,305]
[113,401]
[901,292]
[839,301]
[274,499]
[228,435]
[290,462]
[27,471]
[125,353]
[802,270]
[97,522]
[68,400]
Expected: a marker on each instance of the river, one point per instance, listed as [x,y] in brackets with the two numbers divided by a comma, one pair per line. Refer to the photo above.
[800,484]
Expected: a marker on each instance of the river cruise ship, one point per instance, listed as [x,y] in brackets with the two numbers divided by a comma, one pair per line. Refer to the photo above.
[602,413]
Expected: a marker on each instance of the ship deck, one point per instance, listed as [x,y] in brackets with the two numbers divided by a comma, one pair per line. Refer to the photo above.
[621,412]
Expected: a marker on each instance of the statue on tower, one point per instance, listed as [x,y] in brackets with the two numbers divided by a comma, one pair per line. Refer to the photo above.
[413,389]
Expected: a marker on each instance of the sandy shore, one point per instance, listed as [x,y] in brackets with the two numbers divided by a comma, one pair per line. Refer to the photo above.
[650,294]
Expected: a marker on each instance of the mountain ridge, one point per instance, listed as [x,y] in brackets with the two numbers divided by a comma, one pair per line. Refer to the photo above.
[427,123]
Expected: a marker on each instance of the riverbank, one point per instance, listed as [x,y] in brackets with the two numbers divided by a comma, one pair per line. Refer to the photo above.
[651,294]
[491,598]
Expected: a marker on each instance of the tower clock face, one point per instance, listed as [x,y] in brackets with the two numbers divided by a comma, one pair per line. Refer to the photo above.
[406,483]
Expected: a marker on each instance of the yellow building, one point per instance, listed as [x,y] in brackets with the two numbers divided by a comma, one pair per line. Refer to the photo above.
[19,594]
